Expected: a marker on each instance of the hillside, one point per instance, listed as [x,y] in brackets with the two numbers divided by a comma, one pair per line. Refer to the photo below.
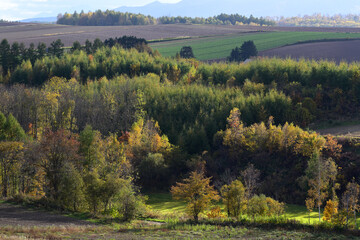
[207,8]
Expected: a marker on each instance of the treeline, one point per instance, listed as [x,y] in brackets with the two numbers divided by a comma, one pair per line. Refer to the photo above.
[222,19]
[319,20]
[17,55]
[11,56]
[113,18]
[107,18]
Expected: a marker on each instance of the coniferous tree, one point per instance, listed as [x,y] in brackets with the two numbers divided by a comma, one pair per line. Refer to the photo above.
[248,49]
[235,55]
[5,56]
[186,52]
[56,48]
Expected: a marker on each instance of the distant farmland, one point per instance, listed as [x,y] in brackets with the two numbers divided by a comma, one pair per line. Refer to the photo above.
[47,33]
[220,47]
[208,41]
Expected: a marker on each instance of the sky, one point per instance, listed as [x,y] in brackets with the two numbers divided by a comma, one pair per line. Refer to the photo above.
[23,9]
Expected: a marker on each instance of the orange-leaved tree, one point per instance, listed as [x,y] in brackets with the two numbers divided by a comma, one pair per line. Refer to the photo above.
[196,190]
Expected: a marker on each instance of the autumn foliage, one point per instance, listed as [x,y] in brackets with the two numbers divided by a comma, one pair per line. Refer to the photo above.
[197,192]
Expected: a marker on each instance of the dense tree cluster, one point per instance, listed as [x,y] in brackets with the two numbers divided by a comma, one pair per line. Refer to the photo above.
[319,20]
[186,52]
[128,42]
[246,51]
[106,18]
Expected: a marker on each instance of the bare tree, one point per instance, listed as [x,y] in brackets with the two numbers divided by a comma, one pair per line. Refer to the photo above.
[251,177]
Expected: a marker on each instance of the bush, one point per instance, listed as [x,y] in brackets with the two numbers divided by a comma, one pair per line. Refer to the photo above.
[128,203]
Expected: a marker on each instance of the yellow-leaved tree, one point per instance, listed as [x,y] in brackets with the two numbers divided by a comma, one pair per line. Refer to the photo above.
[331,209]
[234,198]
[198,193]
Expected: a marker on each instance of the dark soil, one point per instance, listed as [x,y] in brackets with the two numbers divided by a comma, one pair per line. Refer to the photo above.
[337,51]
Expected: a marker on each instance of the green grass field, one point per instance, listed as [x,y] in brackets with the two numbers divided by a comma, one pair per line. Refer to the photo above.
[206,48]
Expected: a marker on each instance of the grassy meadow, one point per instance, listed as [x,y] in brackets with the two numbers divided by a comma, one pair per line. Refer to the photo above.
[217,47]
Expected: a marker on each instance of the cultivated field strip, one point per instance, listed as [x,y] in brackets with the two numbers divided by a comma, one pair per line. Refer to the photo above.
[221,46]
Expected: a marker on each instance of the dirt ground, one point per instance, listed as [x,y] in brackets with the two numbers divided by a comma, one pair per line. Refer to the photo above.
[11,215]
[337,51]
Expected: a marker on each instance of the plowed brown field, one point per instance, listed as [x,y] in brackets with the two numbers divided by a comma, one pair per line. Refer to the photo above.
[337,51]
[32,32]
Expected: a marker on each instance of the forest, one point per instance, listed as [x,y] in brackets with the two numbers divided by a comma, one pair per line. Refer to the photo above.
[113,18]
[121,122]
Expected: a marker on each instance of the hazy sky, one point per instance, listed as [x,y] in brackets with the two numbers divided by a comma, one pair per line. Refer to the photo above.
[22,9]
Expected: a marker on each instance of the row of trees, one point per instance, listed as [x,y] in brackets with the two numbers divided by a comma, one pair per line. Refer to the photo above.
[222,19]
[113,18]
[319,20]
[11,56]
[106,18]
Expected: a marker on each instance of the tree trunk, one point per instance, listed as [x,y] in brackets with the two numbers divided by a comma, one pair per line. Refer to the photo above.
[356,226]
[4,182]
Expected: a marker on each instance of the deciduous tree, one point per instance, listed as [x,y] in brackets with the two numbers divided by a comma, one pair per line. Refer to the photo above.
[196,190]
[320,172]
[233,196]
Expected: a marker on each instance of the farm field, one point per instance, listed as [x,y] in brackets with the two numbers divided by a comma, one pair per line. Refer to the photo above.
[47,33]
[220,47]
[337,51]
[34,32]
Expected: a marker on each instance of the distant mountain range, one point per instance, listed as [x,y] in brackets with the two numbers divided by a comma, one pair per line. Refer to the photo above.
[258,8]
[40,20]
